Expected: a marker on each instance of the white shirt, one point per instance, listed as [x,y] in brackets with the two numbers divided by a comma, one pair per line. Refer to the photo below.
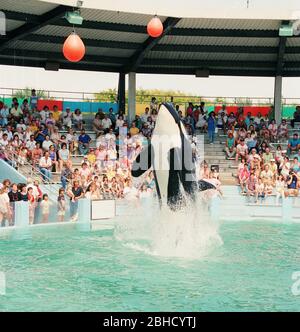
[45,163]
[106,123]
[46,145]
[145,116]
[3,142]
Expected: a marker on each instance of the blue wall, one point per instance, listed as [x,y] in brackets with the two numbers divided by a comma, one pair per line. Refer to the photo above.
[89,107]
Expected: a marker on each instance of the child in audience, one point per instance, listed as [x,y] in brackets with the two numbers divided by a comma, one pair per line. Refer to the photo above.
[280,188]
[45,208]
[61,205]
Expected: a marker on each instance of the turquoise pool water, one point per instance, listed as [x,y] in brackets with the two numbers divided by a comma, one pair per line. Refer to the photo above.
[61,269]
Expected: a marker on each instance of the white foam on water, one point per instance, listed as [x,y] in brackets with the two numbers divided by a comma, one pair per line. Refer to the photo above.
[188,233]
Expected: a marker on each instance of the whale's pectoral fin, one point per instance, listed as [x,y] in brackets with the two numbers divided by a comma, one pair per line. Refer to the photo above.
[204,185]
[142,162]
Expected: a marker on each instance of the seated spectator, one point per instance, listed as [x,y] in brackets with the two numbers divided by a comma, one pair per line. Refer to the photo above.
[267,156]
[47,143]
[63,157]
[97,125]
[296,117]
[91,157]
[231,121]
[265,133]
[146,131]
[267,175]
[44,114]
[230,148]
[241,150]
[273,168]
[16,113]
[56,116]
[250,141]
[53,157]
[202,123]
[36,154]
[77,119]
[283,131]
[4,115]
[106,123]
[71,141]
[294,145]
[45,165]
[66,118]
[279,155]
[292,184]
[134,130]
[295,166]
[273,130]
[285,167]
[83,143]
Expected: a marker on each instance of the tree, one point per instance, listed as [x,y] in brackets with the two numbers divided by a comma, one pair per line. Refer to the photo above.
[26,93]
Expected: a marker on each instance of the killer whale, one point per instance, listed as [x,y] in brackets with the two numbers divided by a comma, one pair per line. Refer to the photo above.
[170,156]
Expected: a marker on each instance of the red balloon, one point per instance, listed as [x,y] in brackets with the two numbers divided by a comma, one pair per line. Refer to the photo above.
[155,28]
[74,49]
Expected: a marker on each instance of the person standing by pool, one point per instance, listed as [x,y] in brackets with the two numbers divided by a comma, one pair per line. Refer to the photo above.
[4,206]
[45,207]
[211,126]
[61,205]
[32,204]
[75,194]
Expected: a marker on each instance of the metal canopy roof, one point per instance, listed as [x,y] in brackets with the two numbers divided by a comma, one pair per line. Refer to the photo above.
[118,42]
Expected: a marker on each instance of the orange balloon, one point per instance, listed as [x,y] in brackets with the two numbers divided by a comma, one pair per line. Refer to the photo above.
[155,28]
[74,49]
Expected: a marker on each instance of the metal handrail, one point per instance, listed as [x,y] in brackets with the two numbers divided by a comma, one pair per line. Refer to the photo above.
[32,171]
[147,98]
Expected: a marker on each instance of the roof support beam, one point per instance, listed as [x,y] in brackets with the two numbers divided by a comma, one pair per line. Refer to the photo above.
[165,47]
[58,56]
[30,27]
[280,57]
[162,70]
[281,53]
[148,45]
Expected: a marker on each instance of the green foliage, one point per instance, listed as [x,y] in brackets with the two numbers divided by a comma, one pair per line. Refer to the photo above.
[109,95]
[26,93]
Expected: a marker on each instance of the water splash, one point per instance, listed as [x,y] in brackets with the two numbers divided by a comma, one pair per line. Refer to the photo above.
[188,233]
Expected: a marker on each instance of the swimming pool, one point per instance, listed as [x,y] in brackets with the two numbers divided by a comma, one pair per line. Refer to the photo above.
[62,269]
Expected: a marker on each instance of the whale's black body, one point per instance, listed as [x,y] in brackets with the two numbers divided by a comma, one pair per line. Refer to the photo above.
[177,183]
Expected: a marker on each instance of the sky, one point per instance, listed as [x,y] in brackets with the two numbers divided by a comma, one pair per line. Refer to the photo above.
[90,82]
